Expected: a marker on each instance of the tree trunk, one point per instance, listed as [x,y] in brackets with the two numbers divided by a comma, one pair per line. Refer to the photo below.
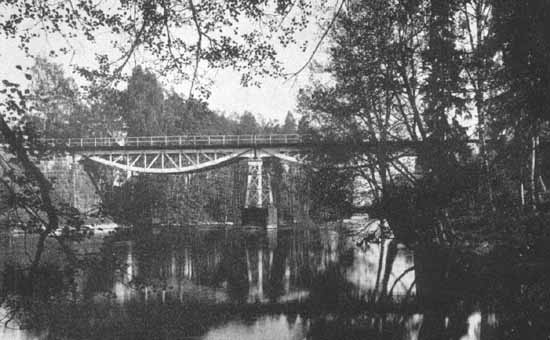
[390,258]
[380,266]
[483,150]
[532,172]
[33,172]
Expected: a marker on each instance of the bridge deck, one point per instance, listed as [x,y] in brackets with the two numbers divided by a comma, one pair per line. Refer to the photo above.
[232,143]
[177,142]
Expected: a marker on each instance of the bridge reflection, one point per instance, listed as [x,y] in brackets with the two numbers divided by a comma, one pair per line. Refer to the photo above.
[239,267]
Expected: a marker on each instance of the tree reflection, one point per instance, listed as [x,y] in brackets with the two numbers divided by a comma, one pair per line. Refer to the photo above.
[176,286]
[233,270]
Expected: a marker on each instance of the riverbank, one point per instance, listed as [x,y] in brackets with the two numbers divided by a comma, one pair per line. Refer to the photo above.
[527,233]
[522,239]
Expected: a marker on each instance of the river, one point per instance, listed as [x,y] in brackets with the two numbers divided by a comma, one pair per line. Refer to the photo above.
[234,283]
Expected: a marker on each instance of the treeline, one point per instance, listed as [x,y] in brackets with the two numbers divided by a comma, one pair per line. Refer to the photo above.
[466,79]
[145,108]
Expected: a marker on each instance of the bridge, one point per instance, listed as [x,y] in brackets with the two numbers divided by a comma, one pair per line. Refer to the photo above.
[194,153]
[182,154]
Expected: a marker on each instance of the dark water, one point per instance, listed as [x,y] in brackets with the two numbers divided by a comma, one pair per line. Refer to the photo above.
[243,284]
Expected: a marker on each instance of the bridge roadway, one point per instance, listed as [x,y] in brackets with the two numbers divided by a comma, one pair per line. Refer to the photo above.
[193,153]
[178,142]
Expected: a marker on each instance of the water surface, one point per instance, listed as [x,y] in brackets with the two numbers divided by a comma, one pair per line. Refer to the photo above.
[231,283]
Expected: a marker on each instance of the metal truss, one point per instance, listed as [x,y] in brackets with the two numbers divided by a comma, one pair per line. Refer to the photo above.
[254,184]
[184,161]
[182,154]
[165,161]
[258,185]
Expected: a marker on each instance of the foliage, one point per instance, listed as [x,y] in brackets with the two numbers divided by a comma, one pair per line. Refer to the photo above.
[289,125]
[331,195]
[30,193]
[144,105]
[418,73]
[180,35]
[523,36]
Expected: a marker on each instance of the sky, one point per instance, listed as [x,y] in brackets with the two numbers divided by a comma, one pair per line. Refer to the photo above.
[271,101]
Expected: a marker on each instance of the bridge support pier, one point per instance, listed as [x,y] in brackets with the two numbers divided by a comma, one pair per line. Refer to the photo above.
[259,209]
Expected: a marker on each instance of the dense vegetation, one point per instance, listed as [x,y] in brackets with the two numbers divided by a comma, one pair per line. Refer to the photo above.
[466,83]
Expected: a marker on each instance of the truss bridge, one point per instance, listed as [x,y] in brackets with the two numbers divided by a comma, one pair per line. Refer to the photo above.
[182,154]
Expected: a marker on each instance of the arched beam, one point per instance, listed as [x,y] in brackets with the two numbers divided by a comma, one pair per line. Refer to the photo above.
[286,157]
[186,169]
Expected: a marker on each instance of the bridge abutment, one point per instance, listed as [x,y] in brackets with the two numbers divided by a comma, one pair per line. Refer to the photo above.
[71,183]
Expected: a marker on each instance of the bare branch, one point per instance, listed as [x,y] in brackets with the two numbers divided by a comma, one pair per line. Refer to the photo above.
[169,37]
[399,279]
[320,41]
[199,43]
[135,44]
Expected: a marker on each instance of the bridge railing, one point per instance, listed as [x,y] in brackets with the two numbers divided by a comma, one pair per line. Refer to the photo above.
[184,140]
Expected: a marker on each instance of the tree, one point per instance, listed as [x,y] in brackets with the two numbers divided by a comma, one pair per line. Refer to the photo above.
[290,123]
[181,35]
[375,63]
[444,85]
[522,35]
[403,72]
[247,124]
[56,101]
[477,37]
[144,106]
[29,188]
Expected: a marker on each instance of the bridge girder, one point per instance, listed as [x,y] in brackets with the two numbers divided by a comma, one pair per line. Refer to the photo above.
[186,161]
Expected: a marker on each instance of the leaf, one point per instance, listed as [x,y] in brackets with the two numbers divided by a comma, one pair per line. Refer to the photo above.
[8,83]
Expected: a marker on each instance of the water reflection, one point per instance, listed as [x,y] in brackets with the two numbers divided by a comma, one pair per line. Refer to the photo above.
[285,284]
[277,327]
[250,267]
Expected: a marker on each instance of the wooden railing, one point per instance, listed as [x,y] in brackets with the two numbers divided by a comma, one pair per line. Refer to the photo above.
[184,141]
